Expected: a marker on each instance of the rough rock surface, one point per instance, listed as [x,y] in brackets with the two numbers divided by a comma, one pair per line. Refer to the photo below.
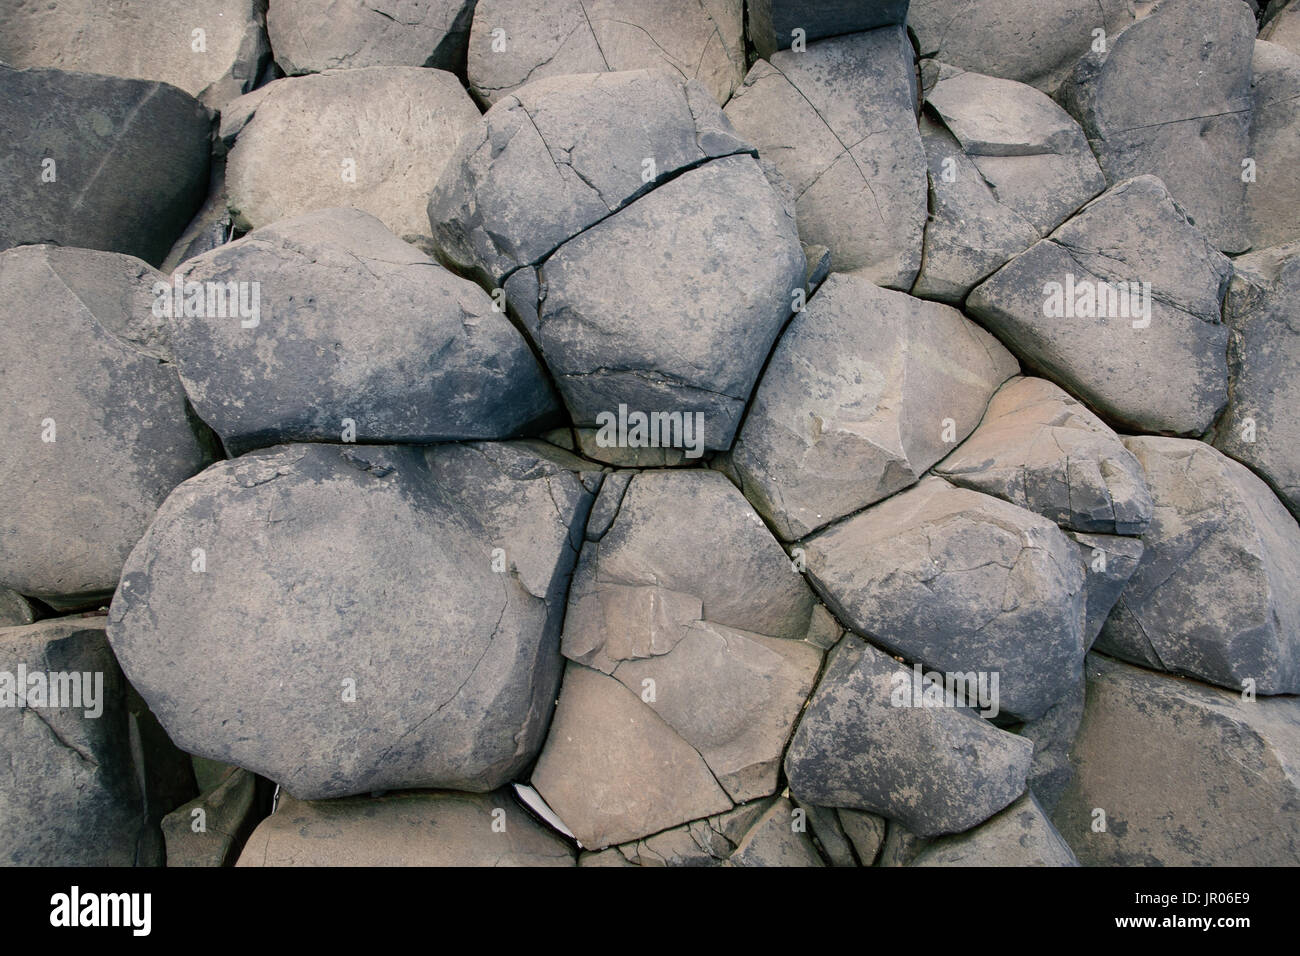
[1273,196]
[443,676]
[1109,561]
[1214,595]
[866,390]
[1053,735]
[1021,835]
[211,829]
[352,34]
[772,23]
[15,609]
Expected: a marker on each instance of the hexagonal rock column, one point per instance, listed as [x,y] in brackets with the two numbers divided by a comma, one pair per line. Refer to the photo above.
[772,24]
[344,619]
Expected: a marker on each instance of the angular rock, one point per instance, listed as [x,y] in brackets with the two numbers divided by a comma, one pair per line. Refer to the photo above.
[1053,735]
[771,24]
[1171,97]
[1021,835]
[1273,197]
[1214,595]
[405,829]
[901,846]
[146,40]
[866,831]
[1186,775]
[1075,306]
[1282,28]
[516,41]
[960,582]
[1259,426]
[865,391]
[99,162]
[828,835]
[773,841]
[352,324]
[431,33]
[374,139]
[14,609]
[1108,561]
[937,770]
[1042,450]
[838,123]
[211,829]
[442,674]
[96,431]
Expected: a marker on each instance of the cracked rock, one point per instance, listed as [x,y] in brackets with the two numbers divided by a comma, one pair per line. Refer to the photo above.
[772,23]
[1021,835]
[865,391]
[936,769]
[960,582]
[1214,595]
[95,426]
[517,41]
[353,324]
[211,829]
[838,123]
[1108,561]
[775,841]
[1042,450]
[374,139]
[443,675]
[1273,197]
[1120,305]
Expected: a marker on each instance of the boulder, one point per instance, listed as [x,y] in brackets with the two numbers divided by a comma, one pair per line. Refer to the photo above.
[1021,835]
[776,841]
[865,391]
[1053,735]
[772,24]
[351,35]
[1282,28]
[14,609]
[1273,192]
[1214,595]
[211,829]
[866,831]
[442,674]
[1108,562]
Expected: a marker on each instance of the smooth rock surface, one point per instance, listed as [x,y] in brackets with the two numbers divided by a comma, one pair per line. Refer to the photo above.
[351,35]
[1021,835]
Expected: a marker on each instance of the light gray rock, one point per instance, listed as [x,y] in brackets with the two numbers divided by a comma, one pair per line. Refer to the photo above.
[1273,197]
[1282,27]
[1108,562]
[1021,835]
[1135,103]
[1042,450]
[774,841]
[516,41]
[352,324]
[1053,735]
[772,23]
[214,50]
[1259,426]
[351,35]
[828,835]
[14,609]
[838,123]
[374,139]
[1185,775]
[441,675]
[88,369]
[1214,595]
[405,829]
[866,831]
[99,162]
[211,829]
[1074,307]
[866,390]
[960,582]
[937,770]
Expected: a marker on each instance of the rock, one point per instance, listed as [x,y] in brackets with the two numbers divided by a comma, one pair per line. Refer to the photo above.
[405,829]
[351,324]
[99,162]
[1136,104]
[1108,562]
[88,797]
[828,835]
[14,609]
[516,41]
[214,51]
[442,676]
[1042,450]
[1021,835]
[1273,197]
[613,770]
[88,371]
[866,831]
[935,769]
[1053,735]
[210,227]
[1120,305]
[901,846]
[772,23]
[374,139]
[960,582]
[1214,595]
[594,444]
[1283,27]
[1032,41]
[1259,426]
[1184,774]
[838,123]
[774,842]
[211,829]
[431,33]
[865,391]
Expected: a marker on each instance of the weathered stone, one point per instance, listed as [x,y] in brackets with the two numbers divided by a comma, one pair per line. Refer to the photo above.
[14,609]
[1273,195]
[1053,735]
[1108,561]
[773,841]
[1214,595]
[901,846]
[828,835]
[99,162]
[1021,835]
[866,831]
[351,35]
[1283,26]
[772,23]
[211,829]
[1186,775]
[418,592]
[864,392]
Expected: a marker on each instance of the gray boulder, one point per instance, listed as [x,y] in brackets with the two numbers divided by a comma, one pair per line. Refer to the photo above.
[94,422]
[935,769]
[865,391]
[99,162]
[1282,28]
[961,582]
[14,609]
[441,675]
[1041,449]
[351,35]
[838,124]
[1121,305]
[1214,595]
[1137,105]
[1021,835]
[775,841]
[1053,735]
[211,829]
[866,831]
[1108,561]
[1273,196]
[772,24]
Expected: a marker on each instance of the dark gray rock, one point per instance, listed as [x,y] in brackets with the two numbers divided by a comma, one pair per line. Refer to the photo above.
[1053,735]
[866,831]
[1108,562]
[772,24]
[775,841]
[1021,835]
[14,609]
[211,829]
